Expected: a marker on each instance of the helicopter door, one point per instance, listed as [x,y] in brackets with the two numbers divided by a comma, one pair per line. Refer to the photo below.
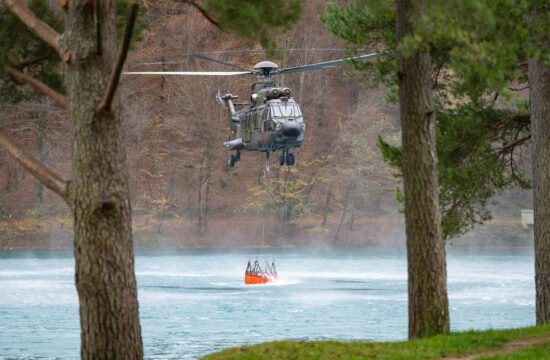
[264,123]
[246,128]
[255,135]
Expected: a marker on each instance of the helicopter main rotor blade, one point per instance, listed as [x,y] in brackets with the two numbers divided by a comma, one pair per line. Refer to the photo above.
[266,50]
[192,73]
[326,64]
[198,56]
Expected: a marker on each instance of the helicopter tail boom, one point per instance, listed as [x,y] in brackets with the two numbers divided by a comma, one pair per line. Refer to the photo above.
[228,100]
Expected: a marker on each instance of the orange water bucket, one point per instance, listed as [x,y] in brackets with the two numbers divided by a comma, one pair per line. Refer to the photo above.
[254,274]
[258,278]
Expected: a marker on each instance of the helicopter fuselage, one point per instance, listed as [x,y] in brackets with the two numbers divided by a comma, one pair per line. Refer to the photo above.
[272,121]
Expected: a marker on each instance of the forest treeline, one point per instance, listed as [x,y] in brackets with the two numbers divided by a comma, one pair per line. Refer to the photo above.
[183,194]
[182,191]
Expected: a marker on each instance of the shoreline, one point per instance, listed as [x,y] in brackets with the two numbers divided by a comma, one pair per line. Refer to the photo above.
[317,249]
[238,232]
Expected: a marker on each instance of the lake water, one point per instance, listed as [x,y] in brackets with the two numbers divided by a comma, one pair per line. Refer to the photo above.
[194,303]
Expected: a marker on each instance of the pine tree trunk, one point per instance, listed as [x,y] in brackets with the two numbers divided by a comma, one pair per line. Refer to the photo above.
[99,194]
[428,303]
[539,94]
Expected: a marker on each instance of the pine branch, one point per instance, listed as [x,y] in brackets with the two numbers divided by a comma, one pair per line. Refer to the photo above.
[202,11]
[519,118]
[37,26]
[36,168]
[21,79]
[123,52]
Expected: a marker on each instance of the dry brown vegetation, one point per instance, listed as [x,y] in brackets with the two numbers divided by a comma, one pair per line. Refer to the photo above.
[183,193]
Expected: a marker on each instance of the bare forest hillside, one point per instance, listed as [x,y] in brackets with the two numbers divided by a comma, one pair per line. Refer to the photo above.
[339,193]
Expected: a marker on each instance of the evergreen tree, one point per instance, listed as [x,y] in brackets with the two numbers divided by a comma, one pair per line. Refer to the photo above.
[427,273]
[476,47]
[479,48]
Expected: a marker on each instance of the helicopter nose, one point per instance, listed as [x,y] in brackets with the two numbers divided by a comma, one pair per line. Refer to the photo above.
[291,129]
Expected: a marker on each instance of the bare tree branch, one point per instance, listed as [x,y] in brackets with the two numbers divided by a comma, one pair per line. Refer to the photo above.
[202,11]
[26,63]
[21,78]
[518,89]
[37,26]
[36,168]
[513,144]
[123,52]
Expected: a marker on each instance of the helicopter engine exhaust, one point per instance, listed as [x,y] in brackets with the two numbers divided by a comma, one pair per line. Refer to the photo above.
[292,129]
[236,144]
[276,93]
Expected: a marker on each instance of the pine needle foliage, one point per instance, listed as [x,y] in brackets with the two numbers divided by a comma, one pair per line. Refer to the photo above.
[24,51]
[477,49]
[252,19]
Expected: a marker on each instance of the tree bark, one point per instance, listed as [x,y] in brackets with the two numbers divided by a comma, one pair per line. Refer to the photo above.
[103,244]
[427,285]
[539,96]
[123,52]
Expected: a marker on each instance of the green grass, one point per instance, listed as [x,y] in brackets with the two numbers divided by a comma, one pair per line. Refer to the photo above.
[455,344]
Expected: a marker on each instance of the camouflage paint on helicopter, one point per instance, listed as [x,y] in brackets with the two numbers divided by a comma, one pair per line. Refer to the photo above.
[272,121]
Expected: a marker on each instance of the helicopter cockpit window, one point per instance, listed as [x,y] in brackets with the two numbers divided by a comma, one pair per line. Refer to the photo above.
[285,110]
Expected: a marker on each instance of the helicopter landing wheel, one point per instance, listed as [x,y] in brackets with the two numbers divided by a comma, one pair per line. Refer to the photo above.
[284,157]
[231,160]
[290,160]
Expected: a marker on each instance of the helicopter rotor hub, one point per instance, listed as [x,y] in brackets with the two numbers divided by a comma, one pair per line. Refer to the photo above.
[266,69]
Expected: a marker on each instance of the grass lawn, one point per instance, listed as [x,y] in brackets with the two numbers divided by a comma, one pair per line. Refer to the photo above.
[491,344]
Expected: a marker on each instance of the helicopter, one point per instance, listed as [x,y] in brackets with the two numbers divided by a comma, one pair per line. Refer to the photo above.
[272,120]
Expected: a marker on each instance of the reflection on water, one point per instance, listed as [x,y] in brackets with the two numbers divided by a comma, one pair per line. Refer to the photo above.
[193,303]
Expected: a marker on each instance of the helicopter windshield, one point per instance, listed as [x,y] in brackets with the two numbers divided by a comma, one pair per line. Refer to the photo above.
[285,109]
